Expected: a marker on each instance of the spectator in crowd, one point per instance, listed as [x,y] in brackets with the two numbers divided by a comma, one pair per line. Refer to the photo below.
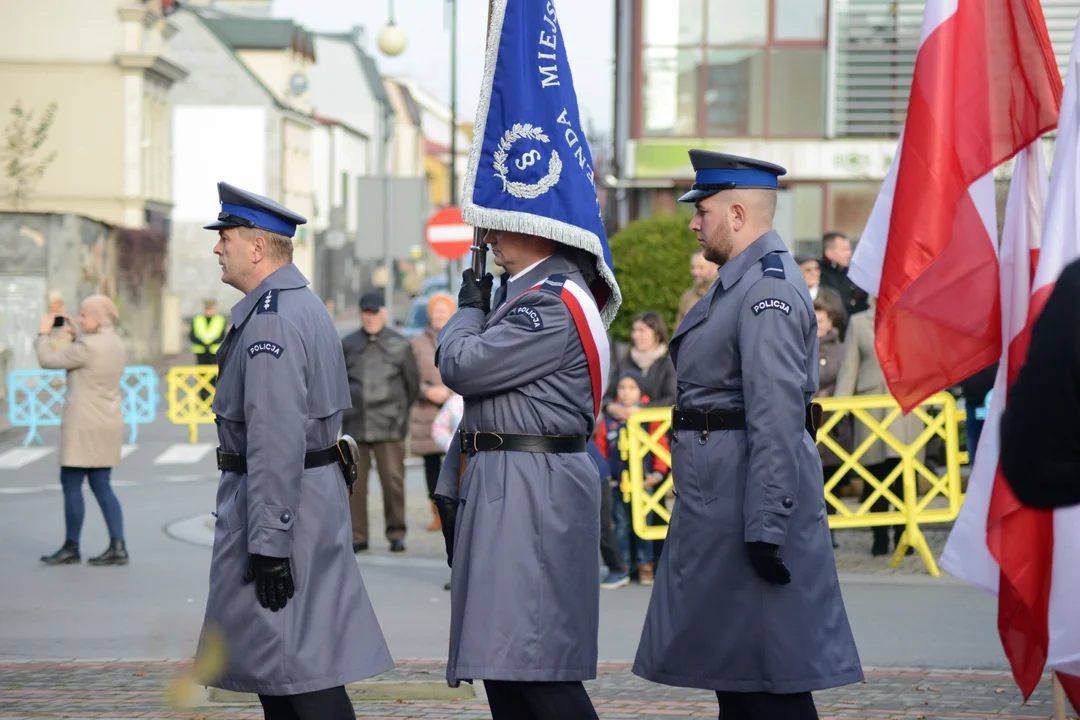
[617,576]
[637,554]
[648,354]
[836,257]
[444,429]
[432,396]
[703,273]
[92,426]
[811,270]
[60,336]
[830,356]
[384,382]
[975,389]
[860,374]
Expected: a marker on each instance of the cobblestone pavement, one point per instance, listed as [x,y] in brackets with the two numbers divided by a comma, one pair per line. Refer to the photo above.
[416,689]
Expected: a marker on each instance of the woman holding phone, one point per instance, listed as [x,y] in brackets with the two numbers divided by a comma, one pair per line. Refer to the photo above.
[92,426]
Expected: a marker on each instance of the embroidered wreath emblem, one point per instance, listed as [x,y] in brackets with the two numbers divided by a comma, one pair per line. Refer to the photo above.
[519,189]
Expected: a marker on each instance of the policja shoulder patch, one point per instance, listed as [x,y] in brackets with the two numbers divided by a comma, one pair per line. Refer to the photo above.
[264,346]
[771,304]
[530,315]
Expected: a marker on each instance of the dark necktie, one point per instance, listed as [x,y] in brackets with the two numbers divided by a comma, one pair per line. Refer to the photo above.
[500,294]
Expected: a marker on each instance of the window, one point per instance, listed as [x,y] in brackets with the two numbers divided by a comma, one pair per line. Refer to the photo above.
[670,90]
[730,68]
[850,206]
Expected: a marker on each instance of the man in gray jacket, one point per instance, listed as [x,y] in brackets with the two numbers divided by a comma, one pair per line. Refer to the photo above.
[287,614]
[519,492]
[384,382]
[747,601]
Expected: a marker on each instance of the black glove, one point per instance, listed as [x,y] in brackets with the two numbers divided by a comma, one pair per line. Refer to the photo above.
[475,293]
[273,580]
[765,557]
[448,518]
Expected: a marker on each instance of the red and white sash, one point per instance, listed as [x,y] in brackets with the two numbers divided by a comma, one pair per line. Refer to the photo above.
[590,329]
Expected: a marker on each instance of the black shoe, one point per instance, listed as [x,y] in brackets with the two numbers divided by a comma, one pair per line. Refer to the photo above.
[66,555]
[116,555]
[359,547]
[397,546]
[835,544]
[446,586]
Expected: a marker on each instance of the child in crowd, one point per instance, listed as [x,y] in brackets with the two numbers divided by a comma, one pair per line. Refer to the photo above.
[637,554]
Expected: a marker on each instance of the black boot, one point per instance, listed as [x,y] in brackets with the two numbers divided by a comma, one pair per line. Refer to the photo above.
[881,542]
[115,555]
[66,555]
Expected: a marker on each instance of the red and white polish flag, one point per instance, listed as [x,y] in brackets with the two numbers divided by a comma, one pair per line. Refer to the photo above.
[985,86]
[1028,558]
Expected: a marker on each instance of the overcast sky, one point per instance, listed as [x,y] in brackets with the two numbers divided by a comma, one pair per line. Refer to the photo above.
[586,24]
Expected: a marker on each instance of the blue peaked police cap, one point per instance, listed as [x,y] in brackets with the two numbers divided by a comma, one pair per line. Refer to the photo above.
[715,172]
[240,208]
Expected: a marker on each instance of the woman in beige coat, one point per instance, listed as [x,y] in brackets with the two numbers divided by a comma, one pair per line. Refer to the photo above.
[92,426]
[860,374]
[432,396]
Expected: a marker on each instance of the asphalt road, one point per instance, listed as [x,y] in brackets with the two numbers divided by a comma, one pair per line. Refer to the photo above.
[153,607]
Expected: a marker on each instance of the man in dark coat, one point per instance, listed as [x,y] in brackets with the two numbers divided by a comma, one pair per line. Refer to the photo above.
[835,259]
[384,381]
[1040,439]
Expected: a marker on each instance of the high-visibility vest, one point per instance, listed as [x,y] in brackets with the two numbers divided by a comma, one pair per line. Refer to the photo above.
[210,331]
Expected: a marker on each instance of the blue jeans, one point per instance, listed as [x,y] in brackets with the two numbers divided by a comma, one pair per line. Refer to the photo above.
[624,533]
[974,430]
[75,510]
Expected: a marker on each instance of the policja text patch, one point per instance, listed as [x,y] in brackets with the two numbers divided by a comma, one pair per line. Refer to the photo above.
[530,314]
[264,346]
[771,304]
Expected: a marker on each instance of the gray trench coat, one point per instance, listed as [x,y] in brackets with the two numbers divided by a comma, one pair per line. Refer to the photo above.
[749,344]
[525,597]
[280,393]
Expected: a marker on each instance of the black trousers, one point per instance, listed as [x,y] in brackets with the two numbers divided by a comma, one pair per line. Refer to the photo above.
[329,704]
[432,468]
[207,359]
[511,700]
[609,548]
[766,706]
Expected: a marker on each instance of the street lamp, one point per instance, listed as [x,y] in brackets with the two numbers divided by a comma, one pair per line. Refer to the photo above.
[392,38]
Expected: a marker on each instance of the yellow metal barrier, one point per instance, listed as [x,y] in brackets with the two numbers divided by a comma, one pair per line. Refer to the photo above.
[187,384]
[940,503]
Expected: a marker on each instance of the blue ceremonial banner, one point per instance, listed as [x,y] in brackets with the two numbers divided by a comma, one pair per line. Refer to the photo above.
[530,169]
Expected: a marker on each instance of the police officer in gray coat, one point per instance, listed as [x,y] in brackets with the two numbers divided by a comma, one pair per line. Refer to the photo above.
[525,579]
[286,598]
[747,602]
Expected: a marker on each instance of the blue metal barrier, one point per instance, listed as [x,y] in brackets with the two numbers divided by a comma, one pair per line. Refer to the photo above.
[36,399]
[140,402]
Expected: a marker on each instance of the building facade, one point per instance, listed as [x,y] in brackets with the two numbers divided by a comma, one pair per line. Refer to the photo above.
[109,70]
[239,123]
[817,86]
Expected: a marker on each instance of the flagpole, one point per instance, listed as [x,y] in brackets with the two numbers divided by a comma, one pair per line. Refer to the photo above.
[479,247]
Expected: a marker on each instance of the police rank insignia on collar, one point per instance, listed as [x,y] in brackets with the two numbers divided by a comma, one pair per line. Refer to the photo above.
[264,346]
[531,316]
[267,303]
[771,304]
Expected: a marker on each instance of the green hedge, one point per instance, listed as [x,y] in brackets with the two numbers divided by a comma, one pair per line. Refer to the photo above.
[652,267]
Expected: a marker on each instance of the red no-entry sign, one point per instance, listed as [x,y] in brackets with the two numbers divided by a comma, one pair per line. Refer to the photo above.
[447,234]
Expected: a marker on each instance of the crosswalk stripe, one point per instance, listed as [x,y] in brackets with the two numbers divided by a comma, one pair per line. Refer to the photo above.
[17,457]
[183,454]
[127,450]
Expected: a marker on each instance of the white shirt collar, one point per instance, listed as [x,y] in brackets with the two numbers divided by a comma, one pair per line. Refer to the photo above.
[517,275]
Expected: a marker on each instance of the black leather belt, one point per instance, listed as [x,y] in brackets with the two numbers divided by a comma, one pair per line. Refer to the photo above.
[475,442]
[717,420]
[237,463]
